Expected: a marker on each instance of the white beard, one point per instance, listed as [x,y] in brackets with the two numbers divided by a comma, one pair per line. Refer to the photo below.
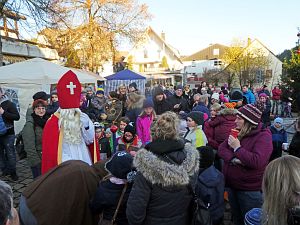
[69,121]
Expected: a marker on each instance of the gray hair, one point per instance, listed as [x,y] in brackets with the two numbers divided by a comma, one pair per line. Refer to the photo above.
[197,96]
[6,202]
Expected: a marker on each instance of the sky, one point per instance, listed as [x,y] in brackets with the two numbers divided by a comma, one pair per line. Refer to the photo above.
[191,25]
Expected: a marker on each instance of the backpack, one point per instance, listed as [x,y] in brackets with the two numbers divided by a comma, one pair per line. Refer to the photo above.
[200,213]
[19,144]
[3,128]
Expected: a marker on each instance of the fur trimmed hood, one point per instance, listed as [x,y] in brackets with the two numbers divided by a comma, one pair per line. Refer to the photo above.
[138,104]
[227,111]
[158,171]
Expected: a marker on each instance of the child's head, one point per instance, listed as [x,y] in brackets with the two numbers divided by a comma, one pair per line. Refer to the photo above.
[54,97]
[148,107]
[207,156]
[278,122]
[214,109]
[195,119]
[108,133]
[123,122]
[129,133]
[263,97]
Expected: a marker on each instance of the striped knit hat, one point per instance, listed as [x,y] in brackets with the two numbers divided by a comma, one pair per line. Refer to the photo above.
[253,217]
[250,113]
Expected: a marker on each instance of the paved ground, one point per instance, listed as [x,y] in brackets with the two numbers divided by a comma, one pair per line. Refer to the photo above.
[25,176]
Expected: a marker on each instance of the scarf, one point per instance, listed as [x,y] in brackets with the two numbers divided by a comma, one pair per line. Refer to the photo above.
[39,121]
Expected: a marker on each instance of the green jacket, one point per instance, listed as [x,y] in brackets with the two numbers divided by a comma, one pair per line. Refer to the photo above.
[32,138]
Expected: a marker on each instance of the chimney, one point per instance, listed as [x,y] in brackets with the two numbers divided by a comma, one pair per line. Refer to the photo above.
[163,35]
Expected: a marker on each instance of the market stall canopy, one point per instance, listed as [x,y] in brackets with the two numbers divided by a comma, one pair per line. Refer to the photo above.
[40,71]
[125,75]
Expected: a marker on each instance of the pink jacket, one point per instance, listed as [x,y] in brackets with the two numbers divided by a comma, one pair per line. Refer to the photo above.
[143,125]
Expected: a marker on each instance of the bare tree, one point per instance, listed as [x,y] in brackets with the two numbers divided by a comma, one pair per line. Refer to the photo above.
[95,28]
[31,13]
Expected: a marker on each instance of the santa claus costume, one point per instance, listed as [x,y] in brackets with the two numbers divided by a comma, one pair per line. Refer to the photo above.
[69,134]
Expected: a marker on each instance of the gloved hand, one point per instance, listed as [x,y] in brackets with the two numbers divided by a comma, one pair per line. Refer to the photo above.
[85,120]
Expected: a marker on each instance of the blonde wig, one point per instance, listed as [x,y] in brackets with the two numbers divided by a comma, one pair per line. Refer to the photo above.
[166,126]
[69,122]
[281,188]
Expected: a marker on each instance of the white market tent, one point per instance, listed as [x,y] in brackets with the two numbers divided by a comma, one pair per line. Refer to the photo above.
[21,80]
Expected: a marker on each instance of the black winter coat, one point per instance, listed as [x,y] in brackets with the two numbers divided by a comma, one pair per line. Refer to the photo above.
[10,114]
[184,105]
[106,201]
[294,148]
[160,193]
[161,106]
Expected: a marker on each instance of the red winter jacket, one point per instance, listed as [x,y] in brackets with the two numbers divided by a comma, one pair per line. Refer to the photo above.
[255,152]
[209,133]
[276,93]
[222,125]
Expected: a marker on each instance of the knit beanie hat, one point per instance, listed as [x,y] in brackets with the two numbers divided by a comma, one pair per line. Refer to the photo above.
[120,165]
[278,120]
[197,116]
[100,90]
[129,128]
[215,96]
[236,96]
[134,85]
[157,91]
[148,103]
[207,156]
[250,113]
[230,105]
[263,95]
[253,217]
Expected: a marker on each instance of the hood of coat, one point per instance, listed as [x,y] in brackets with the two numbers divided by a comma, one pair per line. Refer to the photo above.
[158,171]
[227,111]
[138,104]
[210,177]
[3,98]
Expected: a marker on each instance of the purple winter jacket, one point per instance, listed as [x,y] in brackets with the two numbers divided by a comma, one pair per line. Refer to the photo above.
[143,124]
[255,151]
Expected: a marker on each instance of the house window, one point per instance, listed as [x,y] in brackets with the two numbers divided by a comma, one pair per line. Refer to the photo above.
[145,53]
[217,63]
[216,51]
[268,73]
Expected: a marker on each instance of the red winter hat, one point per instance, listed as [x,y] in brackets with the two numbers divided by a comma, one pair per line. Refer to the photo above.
[68,91]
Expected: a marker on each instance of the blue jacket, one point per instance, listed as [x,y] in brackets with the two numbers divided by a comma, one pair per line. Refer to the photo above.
[250,97]
[278,136]
[210,188]
[201,107]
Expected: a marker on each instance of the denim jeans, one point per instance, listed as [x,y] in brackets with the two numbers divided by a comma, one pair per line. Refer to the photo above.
[7,154]
[275,106]
[243,201]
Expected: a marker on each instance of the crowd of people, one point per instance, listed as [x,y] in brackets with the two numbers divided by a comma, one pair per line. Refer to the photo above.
[134,158]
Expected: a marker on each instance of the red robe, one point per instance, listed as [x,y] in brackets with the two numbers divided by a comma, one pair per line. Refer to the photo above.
[52,145]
